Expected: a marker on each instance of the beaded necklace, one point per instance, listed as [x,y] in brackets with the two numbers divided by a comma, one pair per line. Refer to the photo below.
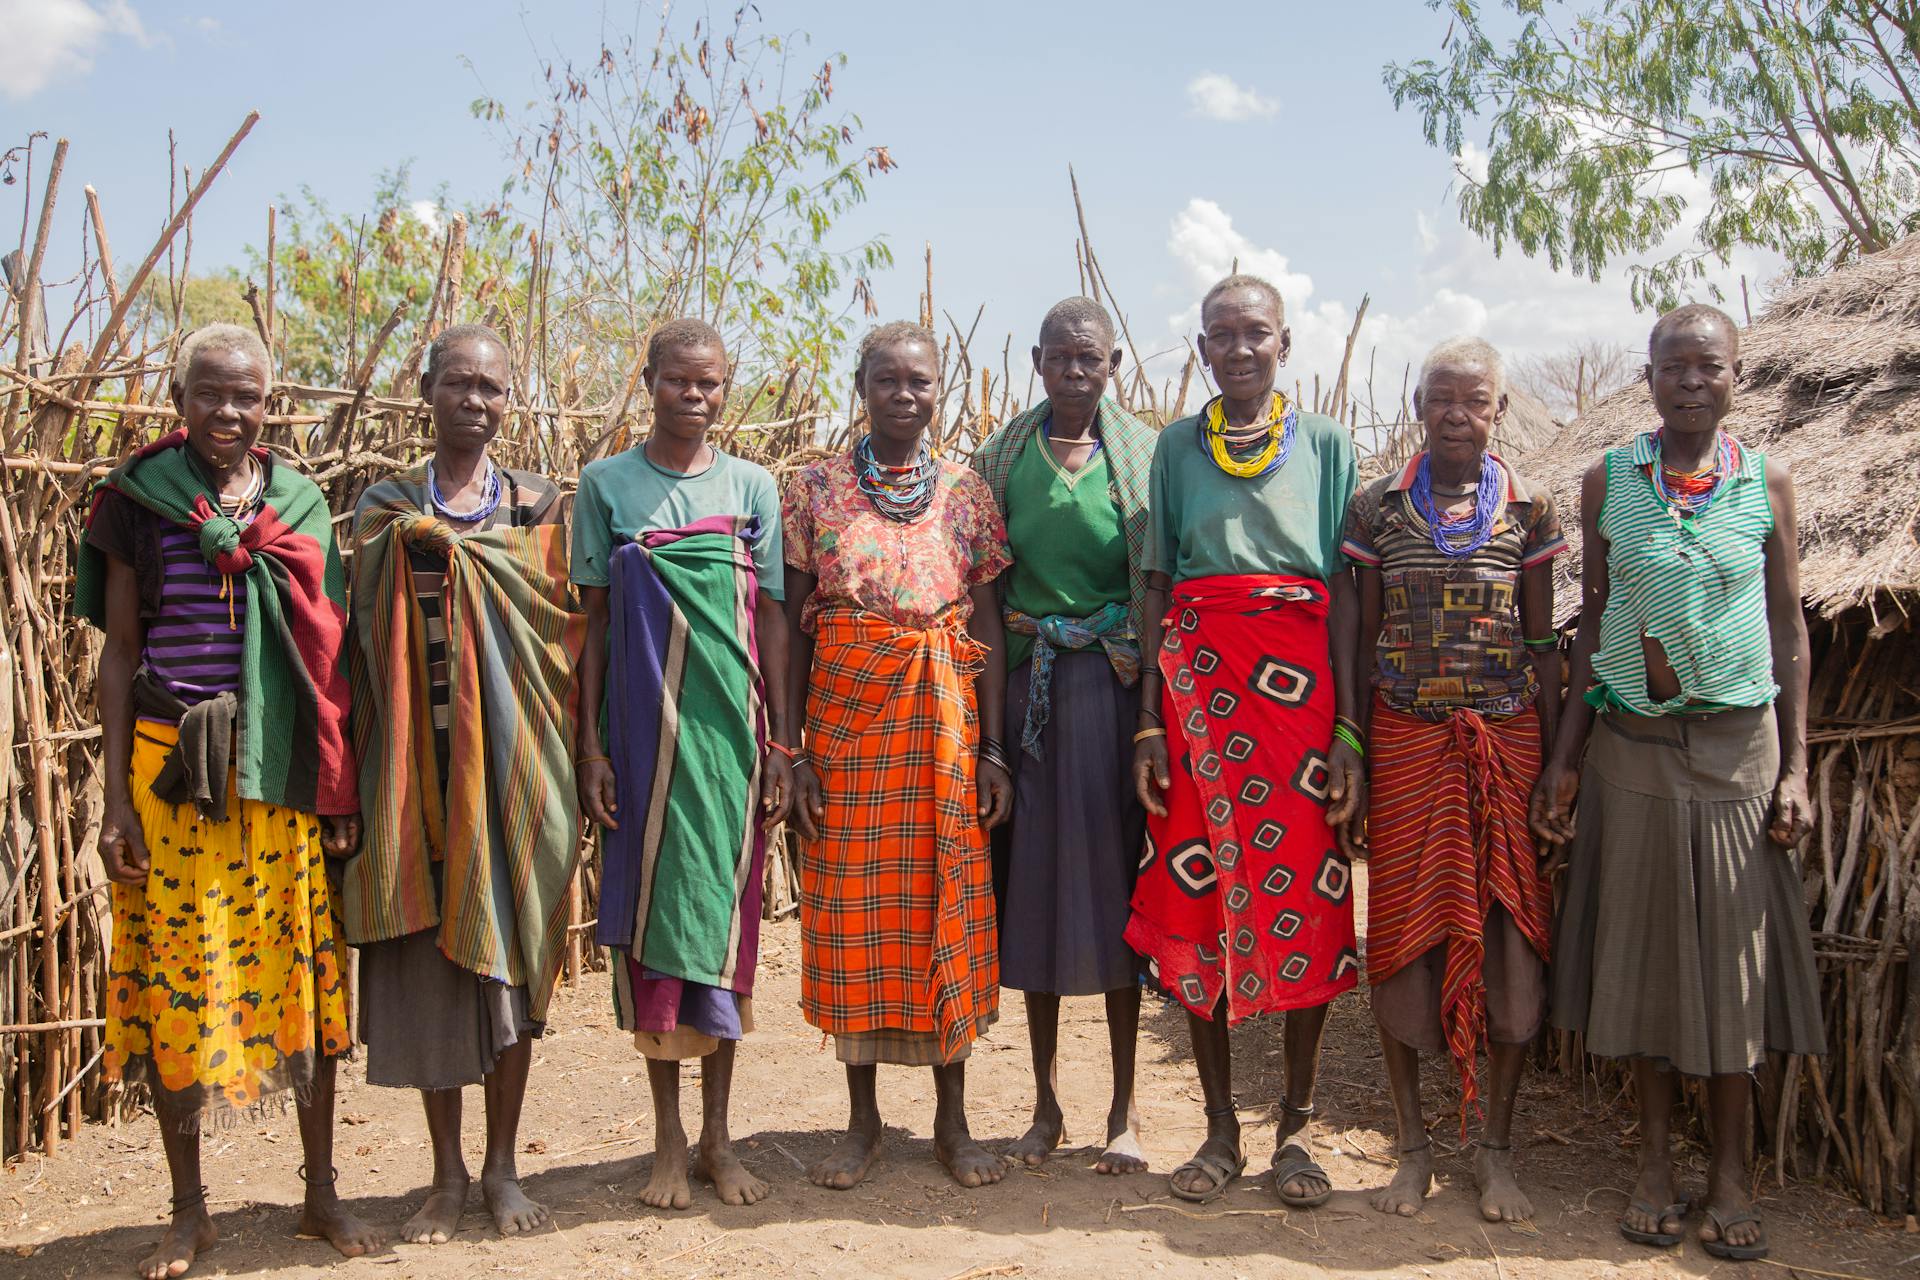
[1219,440]
[1689,494]
[900,494]
[489,501]
[1457,537]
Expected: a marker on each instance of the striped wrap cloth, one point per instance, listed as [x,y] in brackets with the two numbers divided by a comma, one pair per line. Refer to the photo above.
[1111,629]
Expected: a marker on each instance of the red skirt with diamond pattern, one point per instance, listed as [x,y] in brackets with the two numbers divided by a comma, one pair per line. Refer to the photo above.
[1243,893]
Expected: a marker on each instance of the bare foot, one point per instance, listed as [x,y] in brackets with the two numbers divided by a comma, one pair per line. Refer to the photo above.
[1501,1199]
[731,1181]
[845,1167]
[513,1211]
[325,1218]
[1411,1182]
[1123,1154]
[970,1163]
[438,1218]
[1034,1146]
[189,1234]
[667,1189]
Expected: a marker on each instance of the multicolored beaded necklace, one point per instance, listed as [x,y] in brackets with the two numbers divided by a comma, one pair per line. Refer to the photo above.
[489,500]
[1689,494]
[1219,440]
[901,494]
[1459,536]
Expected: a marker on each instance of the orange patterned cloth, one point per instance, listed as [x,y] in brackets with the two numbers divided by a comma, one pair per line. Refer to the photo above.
[223,983]
[897,924]
[1449,836]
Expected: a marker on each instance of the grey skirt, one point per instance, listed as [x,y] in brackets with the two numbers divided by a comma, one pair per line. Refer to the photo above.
[428,1023]
[1682,936]
[1076,835]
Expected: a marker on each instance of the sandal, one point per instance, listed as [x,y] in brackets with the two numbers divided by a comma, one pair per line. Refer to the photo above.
[1657,1239]
[1221,1170]
[1299,1165]
[1719,1248]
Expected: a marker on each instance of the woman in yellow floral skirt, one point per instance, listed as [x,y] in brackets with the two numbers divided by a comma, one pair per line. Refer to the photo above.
[222,708]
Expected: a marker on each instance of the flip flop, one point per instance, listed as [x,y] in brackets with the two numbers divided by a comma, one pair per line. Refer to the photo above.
[1735,1252]
[1221,1170]
[1657,1239]
[1286,1168]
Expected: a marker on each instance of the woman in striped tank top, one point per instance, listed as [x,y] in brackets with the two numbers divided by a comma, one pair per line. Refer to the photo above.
[1681,942]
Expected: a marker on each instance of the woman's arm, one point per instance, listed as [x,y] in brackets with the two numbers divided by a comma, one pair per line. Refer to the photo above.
[1536,622]
[808,805]
[593,772]
[996,788]
[123,845]
[1787,625]
[1559,785]
[776,774]
[1150,761]
[1346,771]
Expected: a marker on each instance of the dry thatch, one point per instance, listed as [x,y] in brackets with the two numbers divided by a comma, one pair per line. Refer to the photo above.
[1831,387]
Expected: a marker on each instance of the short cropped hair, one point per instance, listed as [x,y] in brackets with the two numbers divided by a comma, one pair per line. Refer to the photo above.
[1692,313]
[1242,280]
[1463,354]
[1077,313]
[894,334]
[219,337]
[684,334]
[458,335]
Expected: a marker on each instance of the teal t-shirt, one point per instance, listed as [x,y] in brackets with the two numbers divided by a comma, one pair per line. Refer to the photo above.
[1069,550]
[1206,522]
[627,494]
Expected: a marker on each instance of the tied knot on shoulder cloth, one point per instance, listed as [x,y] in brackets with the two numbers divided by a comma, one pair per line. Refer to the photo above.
[506,829]
[1111,628]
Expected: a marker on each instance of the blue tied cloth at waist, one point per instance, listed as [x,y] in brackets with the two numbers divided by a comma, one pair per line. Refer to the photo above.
[1109,628]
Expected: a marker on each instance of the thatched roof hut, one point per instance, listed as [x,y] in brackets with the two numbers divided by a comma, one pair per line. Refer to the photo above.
[1831,387]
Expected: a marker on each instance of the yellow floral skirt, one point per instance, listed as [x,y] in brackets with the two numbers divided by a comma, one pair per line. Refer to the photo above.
[223,985]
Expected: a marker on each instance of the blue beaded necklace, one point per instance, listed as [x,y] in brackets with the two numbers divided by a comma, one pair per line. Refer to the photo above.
[901,494]
[489,503]
[1459,539]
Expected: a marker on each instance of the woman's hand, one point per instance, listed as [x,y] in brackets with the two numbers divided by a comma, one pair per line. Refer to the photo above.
[1550,812]
[1150,774]
[1347,799]
[599,795]
[342,834]
[1792,811]
[996,793]
[123,845]
[776,789]
[808,805]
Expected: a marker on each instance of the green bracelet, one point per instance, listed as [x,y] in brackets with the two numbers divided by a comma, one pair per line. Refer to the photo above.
[1545,642]
[1344,734]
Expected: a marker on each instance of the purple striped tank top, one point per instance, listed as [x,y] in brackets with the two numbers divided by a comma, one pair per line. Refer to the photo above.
[194,640]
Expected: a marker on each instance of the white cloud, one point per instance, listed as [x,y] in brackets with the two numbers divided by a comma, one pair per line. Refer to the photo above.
[426,213]
[1218,97]
[49,40]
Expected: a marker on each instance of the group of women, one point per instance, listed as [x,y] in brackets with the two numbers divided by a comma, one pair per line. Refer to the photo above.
[1110,709]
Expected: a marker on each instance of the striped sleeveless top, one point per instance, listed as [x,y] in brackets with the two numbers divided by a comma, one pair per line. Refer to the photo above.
[1697,585]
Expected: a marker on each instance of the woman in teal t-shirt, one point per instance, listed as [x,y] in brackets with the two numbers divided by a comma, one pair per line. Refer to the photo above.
[1682,942]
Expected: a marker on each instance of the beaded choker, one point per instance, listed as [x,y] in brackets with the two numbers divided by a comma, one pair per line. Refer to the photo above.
[901,494]
[1690,494]
[489,501]
[1457,537]
[1220,440]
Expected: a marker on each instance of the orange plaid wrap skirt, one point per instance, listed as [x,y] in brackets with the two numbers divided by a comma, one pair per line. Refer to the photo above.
[897,920]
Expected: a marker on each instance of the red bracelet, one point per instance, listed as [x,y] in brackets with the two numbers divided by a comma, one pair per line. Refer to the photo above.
[788,752]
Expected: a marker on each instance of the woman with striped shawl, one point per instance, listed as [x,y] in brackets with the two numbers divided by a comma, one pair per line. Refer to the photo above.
[683,755]
[1070,477]
[1682,941]
[211,568]
[466,639]
[1454,558]
[898,668]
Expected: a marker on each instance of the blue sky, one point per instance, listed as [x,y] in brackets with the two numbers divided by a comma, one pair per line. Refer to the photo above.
[1199,133]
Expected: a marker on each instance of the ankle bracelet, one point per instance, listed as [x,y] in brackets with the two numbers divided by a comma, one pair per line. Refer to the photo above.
[1493,1146]
[192,1200]
[1414,1150]
[1299,1113]
[1216,1113]
[333,1176]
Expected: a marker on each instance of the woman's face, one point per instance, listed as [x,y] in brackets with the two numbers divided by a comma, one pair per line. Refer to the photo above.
[1243,343]
[1074,364]
[1691,372]
[1459,408]
[899,385]
[468,394]
[689,390]
[223,401]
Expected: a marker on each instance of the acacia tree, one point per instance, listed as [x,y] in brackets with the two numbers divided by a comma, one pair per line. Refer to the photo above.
[701,177]
[1568,381]
[1799,115]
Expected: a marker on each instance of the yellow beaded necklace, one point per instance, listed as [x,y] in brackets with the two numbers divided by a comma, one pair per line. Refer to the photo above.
[1278,429]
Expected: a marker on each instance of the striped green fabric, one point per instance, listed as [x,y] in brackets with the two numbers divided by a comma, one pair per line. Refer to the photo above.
[1696,585]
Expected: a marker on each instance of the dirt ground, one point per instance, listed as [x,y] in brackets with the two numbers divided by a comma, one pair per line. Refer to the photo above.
[587,1139]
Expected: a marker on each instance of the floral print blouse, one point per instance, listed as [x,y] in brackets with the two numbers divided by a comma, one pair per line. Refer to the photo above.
[909,573]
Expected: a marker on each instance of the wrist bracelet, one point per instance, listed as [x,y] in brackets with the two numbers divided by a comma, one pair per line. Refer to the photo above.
[1343,733]
[788,752]
[1545,642]
[1156,731]
[1154,716]
[592,760]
